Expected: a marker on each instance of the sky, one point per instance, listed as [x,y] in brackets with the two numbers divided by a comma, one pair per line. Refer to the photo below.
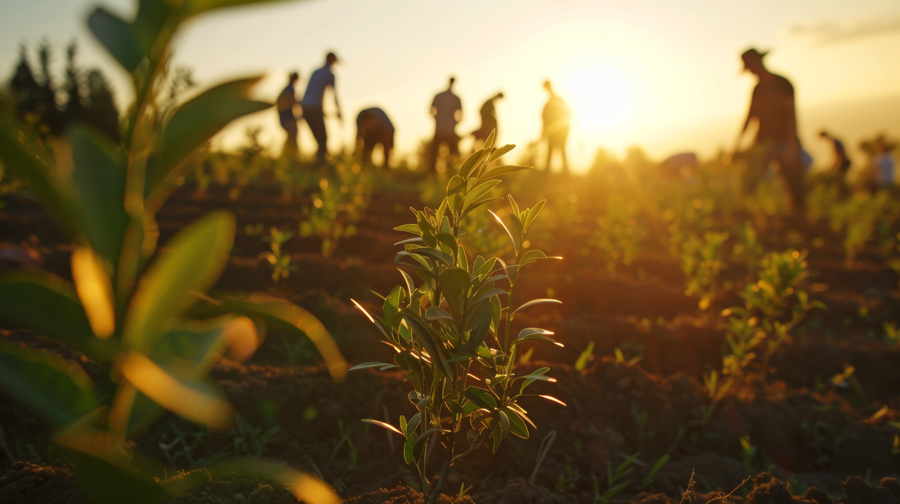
[661,74]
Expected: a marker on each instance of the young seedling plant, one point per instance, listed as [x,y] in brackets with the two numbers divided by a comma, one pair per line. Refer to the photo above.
[451,328]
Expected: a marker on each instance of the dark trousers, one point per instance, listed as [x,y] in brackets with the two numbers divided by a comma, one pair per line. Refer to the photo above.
[452,142]
[790,167]
[290,144]
[315,118]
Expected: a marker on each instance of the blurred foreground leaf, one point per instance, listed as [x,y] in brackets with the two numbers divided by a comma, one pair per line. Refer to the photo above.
[195,258]
[57,389]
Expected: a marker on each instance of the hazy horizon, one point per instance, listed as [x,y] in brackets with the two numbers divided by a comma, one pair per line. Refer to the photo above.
[656,73]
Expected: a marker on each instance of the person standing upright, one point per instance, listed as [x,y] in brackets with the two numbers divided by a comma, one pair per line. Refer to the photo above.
[285,106]
[312,102]
[772,106]
[447,111]
[556,117]
[488,121]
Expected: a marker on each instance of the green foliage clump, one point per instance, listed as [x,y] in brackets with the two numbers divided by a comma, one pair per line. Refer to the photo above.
[618,234]
[702,260]
[451,330]
[865,218]
[337,206]
[280,262]
[747,247]
[774,305]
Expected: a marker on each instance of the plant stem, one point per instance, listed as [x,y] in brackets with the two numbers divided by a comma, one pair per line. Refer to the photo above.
[445,469]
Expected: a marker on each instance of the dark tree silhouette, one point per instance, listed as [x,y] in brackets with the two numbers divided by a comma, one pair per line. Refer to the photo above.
[85,95]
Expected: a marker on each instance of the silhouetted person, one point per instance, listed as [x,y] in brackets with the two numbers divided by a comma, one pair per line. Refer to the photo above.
[373,127]
[488,120]
[883,163]
[772,105]
[285,105]
[447,111]
[556,116]
[841,161]
[320,80]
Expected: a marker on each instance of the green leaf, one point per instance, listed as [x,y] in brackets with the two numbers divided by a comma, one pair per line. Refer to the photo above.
[479,191]
[490,139]
[478,204]
[58,390]
[531,378]
[392,306]
[533,213]
[447,259]
[280,314]
[470,163]
[660,463]
[117,36]
[481,397]
[532,256]
[500,152]
[489,293]
[104,483]
[436,313]
[99,177]
[504,422]
[196,400]
[409,448]
[409,241]
[497,437]
[455,284]
[524,333]
[26,299]
[481,327]
[625,468]
[425,337]
[410,283]
[496,312]
[616,490]
[503,170]
[198,120]
[383,366]
[516,426]
[456,189]
[193,261]
[535,302]
[193,348]
[409,228]
[536,337]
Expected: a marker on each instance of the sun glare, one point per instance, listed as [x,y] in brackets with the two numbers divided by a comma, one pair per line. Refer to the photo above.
[601,96]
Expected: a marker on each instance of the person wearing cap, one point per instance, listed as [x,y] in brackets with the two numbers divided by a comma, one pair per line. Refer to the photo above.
[556,116]
[447,111]
[488,121]
[285,106]
[313,113]
[373,127]
[772,106]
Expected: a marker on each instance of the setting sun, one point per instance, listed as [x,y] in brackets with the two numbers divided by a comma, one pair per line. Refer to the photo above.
[602,97]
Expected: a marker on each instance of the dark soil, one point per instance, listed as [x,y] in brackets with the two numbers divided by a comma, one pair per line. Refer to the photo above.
[801,427]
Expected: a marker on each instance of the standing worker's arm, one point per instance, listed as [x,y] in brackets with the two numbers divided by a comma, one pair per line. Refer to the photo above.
[337,104]
[750,115]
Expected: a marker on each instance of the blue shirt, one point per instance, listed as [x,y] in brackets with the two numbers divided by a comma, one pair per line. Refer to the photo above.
[315,90]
